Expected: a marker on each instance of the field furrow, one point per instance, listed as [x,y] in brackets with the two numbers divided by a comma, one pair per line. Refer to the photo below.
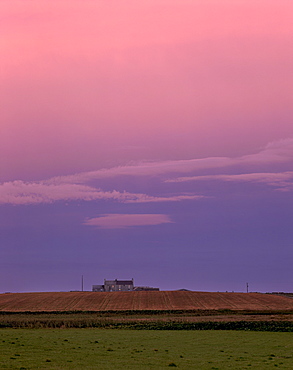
[141,300]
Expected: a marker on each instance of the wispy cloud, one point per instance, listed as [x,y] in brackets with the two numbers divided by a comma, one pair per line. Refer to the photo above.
[145,169]
[118,221]
[76,187]
[21,193]
[276,152]
[280,180]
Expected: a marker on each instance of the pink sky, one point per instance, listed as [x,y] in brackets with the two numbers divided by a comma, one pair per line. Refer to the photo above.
[93,84]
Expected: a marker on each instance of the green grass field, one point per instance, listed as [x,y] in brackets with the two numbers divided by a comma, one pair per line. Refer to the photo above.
[143,349]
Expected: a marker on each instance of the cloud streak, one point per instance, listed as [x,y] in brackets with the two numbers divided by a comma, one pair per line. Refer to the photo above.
[21,193]
[76,187]
[276,152]
[280,180]
[118,221]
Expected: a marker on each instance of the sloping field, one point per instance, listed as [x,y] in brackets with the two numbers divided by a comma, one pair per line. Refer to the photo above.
[162,300]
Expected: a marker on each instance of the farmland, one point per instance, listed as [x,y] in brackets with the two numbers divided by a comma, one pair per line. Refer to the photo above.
[138,301]
[172,329]
[147,310]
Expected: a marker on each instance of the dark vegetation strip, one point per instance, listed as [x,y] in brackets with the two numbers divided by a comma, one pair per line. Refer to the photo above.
[274,326]
[150,320]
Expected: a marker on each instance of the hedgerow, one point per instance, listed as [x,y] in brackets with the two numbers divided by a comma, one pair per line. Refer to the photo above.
[273,326]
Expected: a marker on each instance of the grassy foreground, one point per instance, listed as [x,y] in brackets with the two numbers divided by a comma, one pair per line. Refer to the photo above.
[143,349]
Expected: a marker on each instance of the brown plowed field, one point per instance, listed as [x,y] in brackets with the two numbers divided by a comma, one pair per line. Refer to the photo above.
[152,300]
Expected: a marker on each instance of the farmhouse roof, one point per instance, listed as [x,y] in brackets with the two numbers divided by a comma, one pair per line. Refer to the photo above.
[124,282]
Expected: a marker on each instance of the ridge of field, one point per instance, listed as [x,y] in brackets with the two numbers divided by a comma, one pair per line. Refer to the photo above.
[141,300]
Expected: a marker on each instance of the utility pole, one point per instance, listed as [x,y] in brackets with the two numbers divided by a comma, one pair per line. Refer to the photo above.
[82,283]
[246,287]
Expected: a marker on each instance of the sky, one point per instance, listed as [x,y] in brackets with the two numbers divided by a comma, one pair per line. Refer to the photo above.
[146,139]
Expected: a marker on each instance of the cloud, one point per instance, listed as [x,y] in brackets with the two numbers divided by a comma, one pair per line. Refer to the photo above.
[76,187]
[280,180]
[145,169]
[118,221]
[21,193]
[276,152]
